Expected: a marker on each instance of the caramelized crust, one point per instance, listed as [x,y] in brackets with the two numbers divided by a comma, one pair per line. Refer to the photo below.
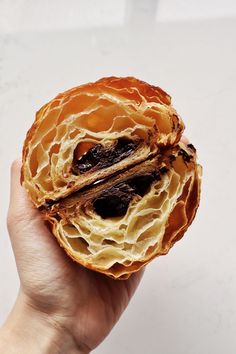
[104,164]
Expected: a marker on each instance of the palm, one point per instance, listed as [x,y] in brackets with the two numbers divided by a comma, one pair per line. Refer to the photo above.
[89,303]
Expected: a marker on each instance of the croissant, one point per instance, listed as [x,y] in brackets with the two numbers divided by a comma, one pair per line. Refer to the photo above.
[105,164]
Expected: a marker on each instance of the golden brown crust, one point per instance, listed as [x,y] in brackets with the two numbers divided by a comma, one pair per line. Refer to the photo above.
[97,118]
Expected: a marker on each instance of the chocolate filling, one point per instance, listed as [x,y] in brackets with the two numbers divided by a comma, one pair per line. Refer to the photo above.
[100,157]
[115,201]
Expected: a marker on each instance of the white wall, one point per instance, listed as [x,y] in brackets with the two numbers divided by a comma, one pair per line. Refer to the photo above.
[186,301]
[26,15]
[21,15]
[175,10]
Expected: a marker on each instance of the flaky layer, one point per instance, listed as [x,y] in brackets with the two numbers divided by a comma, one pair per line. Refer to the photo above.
[96,115]
[104,164]
[118,246]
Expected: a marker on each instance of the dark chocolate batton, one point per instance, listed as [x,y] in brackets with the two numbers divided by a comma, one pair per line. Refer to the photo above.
[101,157]
[115,201]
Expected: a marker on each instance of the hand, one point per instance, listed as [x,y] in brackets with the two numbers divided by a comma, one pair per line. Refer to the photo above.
[69,308]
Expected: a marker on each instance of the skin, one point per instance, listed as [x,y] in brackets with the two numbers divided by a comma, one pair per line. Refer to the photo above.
[61,307]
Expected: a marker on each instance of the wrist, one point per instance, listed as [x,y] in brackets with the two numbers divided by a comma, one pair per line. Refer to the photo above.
[28,330]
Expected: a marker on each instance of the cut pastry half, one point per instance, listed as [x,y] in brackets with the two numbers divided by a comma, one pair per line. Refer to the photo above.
[104,164]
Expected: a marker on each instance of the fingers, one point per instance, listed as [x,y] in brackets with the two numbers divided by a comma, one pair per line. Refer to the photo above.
[19,200]
[21,210]
[27,230]
[184,140]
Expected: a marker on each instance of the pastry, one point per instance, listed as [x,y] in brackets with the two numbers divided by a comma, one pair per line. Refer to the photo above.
[105,165]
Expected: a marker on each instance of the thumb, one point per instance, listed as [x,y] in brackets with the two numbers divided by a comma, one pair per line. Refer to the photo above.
[24,221]
[21,212]
[27,230]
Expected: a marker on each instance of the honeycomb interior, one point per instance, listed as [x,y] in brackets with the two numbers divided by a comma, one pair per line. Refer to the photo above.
[85,119]
[133,237]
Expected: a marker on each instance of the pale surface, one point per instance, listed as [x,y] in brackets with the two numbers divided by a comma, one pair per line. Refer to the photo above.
[186,303]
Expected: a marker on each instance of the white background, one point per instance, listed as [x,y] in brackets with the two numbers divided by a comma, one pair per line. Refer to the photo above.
[186,303]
